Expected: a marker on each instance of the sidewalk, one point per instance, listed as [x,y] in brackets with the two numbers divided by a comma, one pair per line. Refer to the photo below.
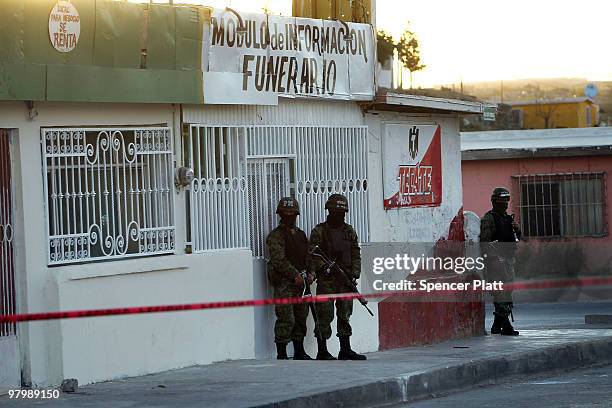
[386,377]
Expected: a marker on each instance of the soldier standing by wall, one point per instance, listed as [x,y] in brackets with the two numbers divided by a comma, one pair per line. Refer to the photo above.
[500,233]
[339,241]
[288,250]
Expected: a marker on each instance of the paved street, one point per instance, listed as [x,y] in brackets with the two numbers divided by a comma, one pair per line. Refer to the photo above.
[552,315]
[548,331]
[581,388]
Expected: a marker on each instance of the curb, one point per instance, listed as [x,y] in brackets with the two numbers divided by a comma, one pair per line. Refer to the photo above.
[597,319]
[395,390]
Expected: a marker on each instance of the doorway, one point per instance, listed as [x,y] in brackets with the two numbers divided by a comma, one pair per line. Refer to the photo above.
[9,346]
[269,181]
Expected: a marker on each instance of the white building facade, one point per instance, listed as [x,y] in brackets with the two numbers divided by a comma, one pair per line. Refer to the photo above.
[97,228]
[93,215]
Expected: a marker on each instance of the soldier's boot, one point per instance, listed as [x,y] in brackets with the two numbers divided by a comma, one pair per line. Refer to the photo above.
[497,325]
[346,353]
[507,329]
[281,351]
[299,352]
[322,353]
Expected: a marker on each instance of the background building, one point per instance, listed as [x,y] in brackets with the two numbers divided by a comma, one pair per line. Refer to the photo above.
[556,113]
[560,196]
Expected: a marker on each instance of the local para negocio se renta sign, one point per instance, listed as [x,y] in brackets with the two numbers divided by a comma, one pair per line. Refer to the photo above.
[412,167]
[64,26]
[261,57]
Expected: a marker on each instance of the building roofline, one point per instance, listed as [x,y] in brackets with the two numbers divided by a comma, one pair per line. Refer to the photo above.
[418,103]
[550,101]
[498,154]
[536,143]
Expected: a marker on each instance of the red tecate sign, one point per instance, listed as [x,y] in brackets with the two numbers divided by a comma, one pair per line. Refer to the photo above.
[412,167]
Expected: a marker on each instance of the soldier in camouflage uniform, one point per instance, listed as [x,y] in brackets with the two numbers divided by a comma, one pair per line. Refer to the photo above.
[500,233]
[288,251]
[339,242]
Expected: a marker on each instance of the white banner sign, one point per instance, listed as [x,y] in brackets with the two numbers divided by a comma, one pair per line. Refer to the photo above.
[255,58]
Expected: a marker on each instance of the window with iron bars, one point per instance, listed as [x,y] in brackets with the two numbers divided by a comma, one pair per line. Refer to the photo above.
[108,193]
[562,205]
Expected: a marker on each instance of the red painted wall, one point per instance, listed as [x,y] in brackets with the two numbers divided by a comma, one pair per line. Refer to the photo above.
[428,320]
[434,318]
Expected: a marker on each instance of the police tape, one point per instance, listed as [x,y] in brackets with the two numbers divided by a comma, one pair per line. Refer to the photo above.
[74,314]
[558,283]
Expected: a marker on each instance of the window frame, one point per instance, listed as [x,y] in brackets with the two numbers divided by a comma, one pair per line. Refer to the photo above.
[559,178]
[88,161]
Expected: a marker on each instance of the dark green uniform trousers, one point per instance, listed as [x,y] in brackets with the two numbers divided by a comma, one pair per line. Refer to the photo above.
[290,319]
[501,270]
[325,311]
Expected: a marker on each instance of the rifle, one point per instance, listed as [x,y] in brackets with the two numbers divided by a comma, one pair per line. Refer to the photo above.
[516,238]
[332,265]
[307,293]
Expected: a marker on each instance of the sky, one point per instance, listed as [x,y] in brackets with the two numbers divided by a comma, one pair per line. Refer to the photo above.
[480,40]
[485,40]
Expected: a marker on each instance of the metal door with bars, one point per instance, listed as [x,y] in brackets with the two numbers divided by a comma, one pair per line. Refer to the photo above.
[242,171]
[9,362]
[268,182]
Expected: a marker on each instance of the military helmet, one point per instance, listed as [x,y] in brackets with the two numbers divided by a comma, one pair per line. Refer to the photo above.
[500,194]
[337,202]
[288,205]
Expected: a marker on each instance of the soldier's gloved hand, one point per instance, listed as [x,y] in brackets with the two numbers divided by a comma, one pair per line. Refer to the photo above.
[299,282]
[310,279]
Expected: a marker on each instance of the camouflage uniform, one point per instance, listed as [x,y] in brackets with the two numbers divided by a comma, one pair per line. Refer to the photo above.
[341,245]
[499,236]
[287,248]
[499,261]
